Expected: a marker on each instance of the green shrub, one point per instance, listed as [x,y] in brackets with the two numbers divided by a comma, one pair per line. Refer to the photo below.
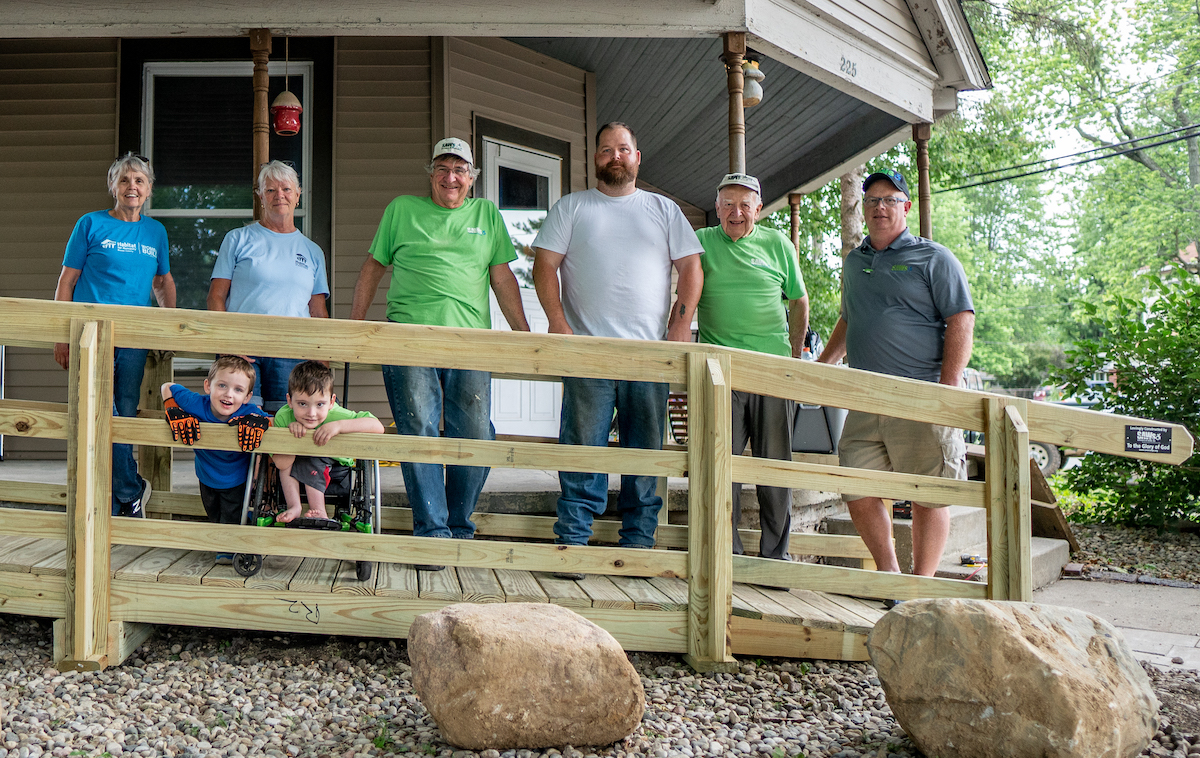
[1152,349]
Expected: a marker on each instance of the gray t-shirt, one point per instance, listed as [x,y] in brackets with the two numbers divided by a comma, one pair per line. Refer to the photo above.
[895,302]
[270,273]
[616,276]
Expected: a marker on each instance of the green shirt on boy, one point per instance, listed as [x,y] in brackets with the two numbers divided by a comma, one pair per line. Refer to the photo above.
[285,416]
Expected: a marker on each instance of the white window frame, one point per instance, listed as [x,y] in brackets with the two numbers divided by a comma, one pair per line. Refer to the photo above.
[153,70]
[499,154]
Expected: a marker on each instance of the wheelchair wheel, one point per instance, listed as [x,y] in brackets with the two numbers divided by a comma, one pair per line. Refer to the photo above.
[247,564]
[363,570]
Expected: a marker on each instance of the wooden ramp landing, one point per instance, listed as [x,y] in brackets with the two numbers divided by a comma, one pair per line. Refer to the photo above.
[319,595]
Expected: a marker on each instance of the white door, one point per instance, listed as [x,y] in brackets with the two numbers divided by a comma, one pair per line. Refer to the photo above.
[523,183]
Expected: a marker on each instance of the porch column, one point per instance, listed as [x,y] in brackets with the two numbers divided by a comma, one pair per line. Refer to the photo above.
[794,199]
[735,52]
[260,51]
[921,134]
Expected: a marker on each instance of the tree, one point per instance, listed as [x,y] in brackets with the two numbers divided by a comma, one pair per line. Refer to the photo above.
[1152,351]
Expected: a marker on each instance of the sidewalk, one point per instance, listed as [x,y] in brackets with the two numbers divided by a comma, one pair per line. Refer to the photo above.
[1161,624]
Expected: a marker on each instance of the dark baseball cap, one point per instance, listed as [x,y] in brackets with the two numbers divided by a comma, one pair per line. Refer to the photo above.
[895,177]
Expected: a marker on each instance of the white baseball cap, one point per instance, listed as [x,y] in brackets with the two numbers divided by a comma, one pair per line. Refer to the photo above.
[742,180]
[453,146]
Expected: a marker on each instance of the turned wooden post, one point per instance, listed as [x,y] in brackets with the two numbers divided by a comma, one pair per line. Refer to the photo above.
[1007,481]
[735,53]
[89,496]
[710,514]
[260,52]
[921,135]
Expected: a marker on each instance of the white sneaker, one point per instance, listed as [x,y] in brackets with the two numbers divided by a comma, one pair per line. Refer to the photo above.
[137,507]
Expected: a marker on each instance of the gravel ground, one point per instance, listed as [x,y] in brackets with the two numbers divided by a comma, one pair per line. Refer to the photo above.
[1170,555]
[210,692]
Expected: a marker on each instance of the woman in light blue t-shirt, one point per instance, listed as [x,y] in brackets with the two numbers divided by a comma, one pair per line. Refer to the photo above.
[120,257]
[270,267]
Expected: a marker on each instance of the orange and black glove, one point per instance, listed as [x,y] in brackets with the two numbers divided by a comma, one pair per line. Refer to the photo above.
[185,427]
[250,431]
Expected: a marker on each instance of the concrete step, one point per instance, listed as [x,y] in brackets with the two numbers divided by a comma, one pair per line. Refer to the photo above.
[968,527]
[1048,557]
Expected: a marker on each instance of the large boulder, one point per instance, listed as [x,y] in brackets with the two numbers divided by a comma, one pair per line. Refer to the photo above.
[522,675]
[980,679]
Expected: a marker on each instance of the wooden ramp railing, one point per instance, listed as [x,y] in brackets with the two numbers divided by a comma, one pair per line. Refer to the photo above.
[97,609]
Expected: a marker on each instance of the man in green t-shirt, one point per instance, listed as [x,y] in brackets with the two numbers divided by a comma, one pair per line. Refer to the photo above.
[444,250]
[748,272]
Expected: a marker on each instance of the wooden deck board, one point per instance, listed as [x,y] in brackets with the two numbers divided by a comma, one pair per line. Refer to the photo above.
[645,596]
[480,585]
[520,587]
[439,585]
[13,547]
[190,569]
[23,559]
[564,592]
[855,624]
[150,564]
[673,587]
[123,555]
[809,614]
[224,576]
[864,609]
[741,607]
[347,581]
[276,574]
[315,575]
[770,610]
[54,565]
[604,593]
[397,580]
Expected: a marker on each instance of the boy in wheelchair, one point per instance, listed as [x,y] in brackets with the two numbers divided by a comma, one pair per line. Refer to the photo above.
[312,407]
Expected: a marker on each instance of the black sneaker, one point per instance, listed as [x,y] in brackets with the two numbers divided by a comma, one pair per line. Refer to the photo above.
[890,604]
[427,567]
[137,507]
[570,576]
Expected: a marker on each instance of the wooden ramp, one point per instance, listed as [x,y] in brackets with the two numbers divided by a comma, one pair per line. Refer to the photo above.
[324,596]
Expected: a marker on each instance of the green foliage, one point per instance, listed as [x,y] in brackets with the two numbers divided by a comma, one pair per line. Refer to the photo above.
[821,275]
[1153,353]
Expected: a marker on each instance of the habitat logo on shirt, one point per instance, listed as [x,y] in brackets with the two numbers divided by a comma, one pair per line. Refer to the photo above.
[476,230]
[150,251]
[120,247]
[301,260]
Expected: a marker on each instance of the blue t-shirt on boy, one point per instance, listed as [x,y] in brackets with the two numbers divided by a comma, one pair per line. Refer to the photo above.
[118,259]
[219,469]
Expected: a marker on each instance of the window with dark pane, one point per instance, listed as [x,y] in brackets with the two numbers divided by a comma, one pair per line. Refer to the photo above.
[522,191]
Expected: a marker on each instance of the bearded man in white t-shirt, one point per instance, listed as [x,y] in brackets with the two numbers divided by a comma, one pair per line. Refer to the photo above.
[613,248]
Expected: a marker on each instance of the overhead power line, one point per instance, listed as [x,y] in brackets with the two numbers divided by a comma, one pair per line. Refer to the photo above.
[1083,152]
[1194,132]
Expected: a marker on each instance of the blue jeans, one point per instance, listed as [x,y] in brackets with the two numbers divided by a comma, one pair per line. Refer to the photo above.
[271,381]
[587,413]
[129,364]
[442,498]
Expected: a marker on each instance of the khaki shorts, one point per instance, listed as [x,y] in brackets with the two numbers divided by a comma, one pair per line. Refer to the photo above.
[884,443]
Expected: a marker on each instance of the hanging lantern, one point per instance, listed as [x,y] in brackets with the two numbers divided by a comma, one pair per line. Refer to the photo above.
[286,110]
[752,92]
[285,114]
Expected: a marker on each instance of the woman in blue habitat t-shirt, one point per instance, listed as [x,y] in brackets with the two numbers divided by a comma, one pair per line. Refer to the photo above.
[120,257]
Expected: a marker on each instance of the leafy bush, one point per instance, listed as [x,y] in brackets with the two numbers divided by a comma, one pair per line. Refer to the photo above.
[1152,351]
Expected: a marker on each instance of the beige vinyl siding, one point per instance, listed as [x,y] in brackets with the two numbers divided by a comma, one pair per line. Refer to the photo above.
[504,82]
[888,24]
[58,116]
[381,145]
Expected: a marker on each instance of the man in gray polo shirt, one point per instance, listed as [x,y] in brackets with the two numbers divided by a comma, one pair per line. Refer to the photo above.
[906,311]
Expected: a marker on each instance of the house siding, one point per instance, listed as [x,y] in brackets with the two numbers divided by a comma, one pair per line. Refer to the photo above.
[58,136]
[886,23]
[381,145]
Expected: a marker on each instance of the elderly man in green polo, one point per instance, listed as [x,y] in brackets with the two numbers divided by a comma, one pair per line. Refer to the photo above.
[754,299]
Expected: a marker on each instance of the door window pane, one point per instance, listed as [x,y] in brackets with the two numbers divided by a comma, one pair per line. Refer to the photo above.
[194,244]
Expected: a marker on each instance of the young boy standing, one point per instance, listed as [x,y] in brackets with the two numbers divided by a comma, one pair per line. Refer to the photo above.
[311,406]
[222,473]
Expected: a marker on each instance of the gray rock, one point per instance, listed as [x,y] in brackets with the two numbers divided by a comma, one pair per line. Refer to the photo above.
[982,679]
[522,675]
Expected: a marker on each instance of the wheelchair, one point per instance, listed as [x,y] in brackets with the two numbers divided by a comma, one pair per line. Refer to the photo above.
[353,501]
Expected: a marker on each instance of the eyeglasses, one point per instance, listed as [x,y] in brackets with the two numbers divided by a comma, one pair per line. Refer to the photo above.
[289,164]
[141,158]
[461,172]
[888,202]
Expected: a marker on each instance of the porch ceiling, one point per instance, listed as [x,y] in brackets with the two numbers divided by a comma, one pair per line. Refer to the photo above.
[672,91]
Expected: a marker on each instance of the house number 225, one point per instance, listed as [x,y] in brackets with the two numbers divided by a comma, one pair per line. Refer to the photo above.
[849,68]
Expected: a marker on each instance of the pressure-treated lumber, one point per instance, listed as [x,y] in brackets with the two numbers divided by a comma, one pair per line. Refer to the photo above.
[1020,522]
[849,581]
[399,549]
[350,615]
[154,463]
[710,514]
[33,594]
[89,495]
[28,322]
[926,489]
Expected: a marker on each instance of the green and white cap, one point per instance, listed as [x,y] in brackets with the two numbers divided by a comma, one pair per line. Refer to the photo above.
[742,180]
[453,146]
